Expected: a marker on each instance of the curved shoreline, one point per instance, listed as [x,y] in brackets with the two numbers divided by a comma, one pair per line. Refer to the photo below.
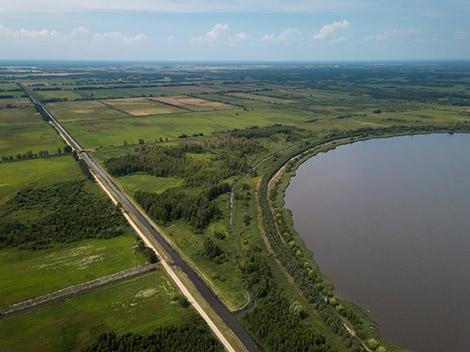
[278,181]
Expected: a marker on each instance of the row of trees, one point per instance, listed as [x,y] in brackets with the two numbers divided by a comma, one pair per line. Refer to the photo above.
[66,212]
[40,154]
[267,131]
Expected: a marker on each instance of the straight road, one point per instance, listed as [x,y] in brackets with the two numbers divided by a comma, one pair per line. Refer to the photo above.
[121,197]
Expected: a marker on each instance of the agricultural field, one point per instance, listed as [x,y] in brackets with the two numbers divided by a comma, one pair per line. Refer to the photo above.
[58,94]
[141,106]
[84,111]
[137,305]
[95,133]
[22,130]
[193,104]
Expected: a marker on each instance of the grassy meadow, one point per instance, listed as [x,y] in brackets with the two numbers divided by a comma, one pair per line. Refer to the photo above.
[134,183]
[137,305]
[30,273]
[23,130]
[18,175]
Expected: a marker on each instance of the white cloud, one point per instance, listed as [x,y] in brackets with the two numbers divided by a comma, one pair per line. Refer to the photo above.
[77,34]
[329,31]
[171,39]
[218,30]
[287,36]
[220,33]
[26,34]
[134,38]
[79,31]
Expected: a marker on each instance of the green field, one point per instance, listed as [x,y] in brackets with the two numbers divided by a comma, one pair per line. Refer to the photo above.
[23,130]
[138,305]
[18,175]
[95,133]
[30,273]
[148,183]
[58,94]
[141,106]
[83,111]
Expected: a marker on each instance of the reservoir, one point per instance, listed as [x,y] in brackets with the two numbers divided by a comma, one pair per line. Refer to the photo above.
[388,221]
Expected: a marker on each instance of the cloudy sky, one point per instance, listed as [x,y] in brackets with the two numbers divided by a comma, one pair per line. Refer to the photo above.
[234,29]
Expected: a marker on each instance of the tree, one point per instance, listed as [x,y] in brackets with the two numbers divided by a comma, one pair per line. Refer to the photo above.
[372,343]
[211,249]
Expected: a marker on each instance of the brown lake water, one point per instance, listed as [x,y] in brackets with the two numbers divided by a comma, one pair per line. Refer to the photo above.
[388,221]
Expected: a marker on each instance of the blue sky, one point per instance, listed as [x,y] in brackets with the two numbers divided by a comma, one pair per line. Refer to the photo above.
[234,30]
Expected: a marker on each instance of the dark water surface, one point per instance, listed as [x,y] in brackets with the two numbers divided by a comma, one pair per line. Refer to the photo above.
[388,222]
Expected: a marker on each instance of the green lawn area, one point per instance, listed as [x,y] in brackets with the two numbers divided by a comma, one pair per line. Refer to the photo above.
[23,130]
[30,273]
[18,175]
[138,305]
[148,183]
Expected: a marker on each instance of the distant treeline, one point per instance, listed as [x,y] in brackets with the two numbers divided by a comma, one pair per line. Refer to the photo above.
[191,336]
[63,212]
[268,132]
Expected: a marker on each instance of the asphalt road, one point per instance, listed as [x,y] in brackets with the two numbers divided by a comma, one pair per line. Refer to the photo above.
[228,317]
